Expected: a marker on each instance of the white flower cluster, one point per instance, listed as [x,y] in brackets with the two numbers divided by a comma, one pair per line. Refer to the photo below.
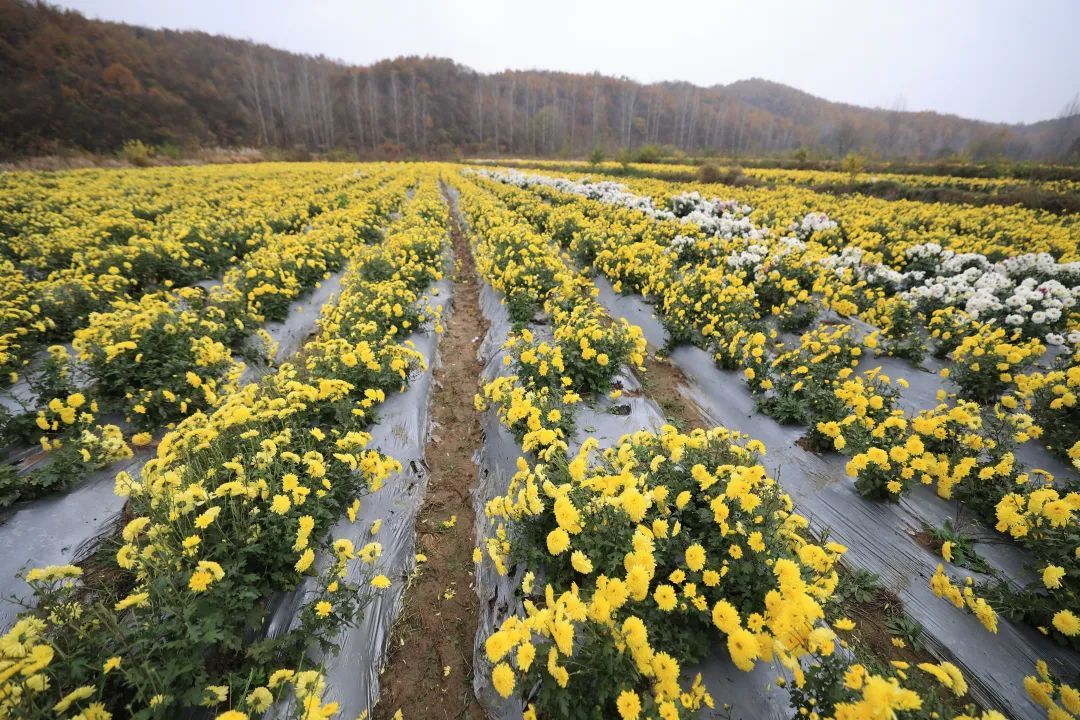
[688,202]
[811,223]
[748,259]
[849,257]
[1041,266]
[605,191]
[722,218]
[1021,292]
[688,248]
[1072,339]
[1032,292]
[791,244]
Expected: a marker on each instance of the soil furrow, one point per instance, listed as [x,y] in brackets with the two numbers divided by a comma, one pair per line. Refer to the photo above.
[428,672]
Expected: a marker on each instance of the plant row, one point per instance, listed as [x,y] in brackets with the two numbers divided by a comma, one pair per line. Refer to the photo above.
[171,353]
[966,450]
[73,243]
[234,509]
[642,558]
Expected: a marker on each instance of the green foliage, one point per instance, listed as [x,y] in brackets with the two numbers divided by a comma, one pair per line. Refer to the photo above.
[901,625]
[856,587]
[649,154]
[903,332]
[963,547]
[798,317]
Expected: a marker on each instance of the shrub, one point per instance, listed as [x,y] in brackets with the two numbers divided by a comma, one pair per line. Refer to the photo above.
[708,173]
[853,164]
[649,154]
[136,152]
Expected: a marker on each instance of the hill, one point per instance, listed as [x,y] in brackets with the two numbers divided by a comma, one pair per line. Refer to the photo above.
[70,82]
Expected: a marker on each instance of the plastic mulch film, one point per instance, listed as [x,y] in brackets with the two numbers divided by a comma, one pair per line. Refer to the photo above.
[291,333]
[57,529]
[63,527]
[752,696]
[879,535]
[401,430]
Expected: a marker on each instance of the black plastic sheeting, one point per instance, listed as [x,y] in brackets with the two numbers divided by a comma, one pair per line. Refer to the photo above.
[63,528]
[401,430]
[880,535]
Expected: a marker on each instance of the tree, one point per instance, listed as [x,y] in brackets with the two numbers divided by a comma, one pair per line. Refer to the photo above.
[74,82]
[845,137]
[596,156]
[120,76]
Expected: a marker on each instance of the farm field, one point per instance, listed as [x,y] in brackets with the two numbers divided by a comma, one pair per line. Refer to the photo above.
[425,440]
[1056,195]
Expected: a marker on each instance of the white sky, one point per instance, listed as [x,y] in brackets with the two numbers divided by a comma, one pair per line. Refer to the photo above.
[1007,61]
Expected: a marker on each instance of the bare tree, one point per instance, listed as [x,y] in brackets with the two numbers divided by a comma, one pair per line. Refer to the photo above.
[423,117]
[595,108]
[1067,128]
[394,100]
[573,108]
[415,110]
[373,108]
[326,108]
[281,101]
[358,113]
[480,108]
[252,79]
[845,137]
[513,86]
[896,115]
[629,99]
[496,111]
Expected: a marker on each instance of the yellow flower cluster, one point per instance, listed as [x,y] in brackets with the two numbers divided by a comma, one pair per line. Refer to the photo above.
[164,356]
[945,588]
[965,451]
[891,226]
[585,349]
[1051,399]
[267,469]
[780,177]
[720,291]
[82,239]
[1060,700]
[987,361]
[25,654]
[666,535]
[70,436]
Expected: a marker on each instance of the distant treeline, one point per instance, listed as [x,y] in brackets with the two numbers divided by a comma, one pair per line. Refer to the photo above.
[69,82]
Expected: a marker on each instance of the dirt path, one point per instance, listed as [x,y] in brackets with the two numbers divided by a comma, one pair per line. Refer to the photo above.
[428,671]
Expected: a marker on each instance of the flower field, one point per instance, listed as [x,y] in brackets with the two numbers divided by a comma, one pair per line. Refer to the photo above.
[747,452]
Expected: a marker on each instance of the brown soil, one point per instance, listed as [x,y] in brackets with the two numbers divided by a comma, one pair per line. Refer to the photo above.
[437,625]
[926,541]
[665,383]
[872,632]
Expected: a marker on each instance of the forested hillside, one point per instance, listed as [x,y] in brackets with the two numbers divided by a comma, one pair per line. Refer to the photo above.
[70,82]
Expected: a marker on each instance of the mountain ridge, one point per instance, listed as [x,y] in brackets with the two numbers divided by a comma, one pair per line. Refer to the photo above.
[67,81]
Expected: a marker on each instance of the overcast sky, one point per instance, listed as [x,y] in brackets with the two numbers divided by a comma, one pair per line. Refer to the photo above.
[994,60]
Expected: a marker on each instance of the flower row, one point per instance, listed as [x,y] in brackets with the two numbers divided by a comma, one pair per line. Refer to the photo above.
[234,509]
